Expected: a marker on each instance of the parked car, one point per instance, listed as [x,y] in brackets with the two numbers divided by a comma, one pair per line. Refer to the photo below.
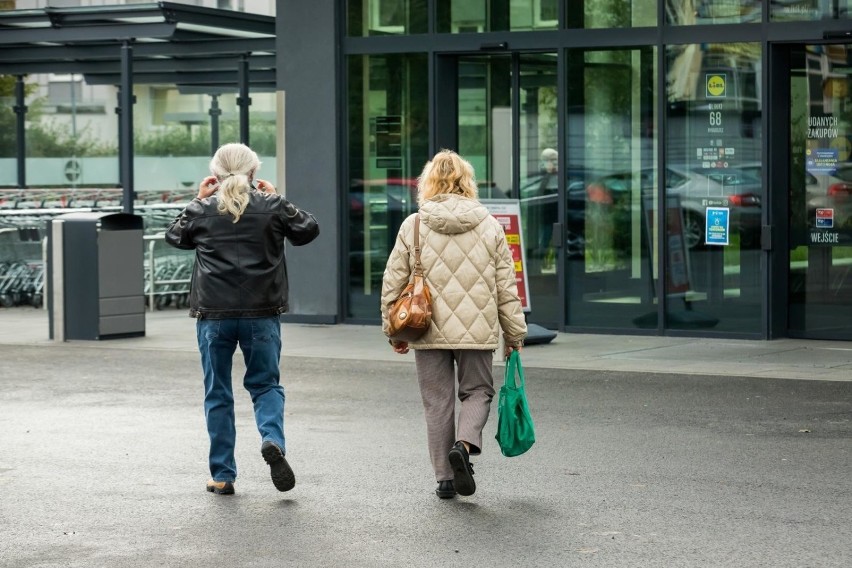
[695,189]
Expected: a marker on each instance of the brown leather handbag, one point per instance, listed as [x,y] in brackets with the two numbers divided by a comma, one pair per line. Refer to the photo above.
[411,313]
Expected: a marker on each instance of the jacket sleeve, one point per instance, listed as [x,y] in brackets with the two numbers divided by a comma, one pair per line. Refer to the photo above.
[179,232]
[509,311]
[397,273]
[301,226]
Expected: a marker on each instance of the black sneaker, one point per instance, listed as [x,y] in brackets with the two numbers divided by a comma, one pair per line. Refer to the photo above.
[282,476]
[462,470]
[445,489]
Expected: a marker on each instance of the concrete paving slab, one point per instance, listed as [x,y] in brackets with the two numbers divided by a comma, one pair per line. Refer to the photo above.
[172,330]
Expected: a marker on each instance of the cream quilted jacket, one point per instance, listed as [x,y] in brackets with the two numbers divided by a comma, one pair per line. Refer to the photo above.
[470,272]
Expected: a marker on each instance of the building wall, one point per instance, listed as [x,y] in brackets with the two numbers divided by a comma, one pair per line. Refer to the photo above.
[307,79]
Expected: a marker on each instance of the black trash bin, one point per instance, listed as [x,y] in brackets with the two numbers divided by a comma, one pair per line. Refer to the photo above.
[95,275]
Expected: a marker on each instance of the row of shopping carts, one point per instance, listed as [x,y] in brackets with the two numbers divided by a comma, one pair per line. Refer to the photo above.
[167,274]
[21,264]
[76,197]
[167,271]
[21,283]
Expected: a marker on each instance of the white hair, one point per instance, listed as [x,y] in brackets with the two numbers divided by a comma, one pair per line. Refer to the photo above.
[234,165]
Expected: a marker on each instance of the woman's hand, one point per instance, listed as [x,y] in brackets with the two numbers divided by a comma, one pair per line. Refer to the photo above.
[400,347]
[207,187]
[265,186]
[509,349]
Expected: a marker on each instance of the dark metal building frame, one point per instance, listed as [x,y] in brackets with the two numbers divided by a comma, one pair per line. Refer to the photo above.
[200,50]
[775,39]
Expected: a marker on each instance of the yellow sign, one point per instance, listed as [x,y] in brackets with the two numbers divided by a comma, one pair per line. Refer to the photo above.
[716,85]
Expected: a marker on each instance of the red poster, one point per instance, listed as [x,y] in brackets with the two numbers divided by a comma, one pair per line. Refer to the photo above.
[508,213]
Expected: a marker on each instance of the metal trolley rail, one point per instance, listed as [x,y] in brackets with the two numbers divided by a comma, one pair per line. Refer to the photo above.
[23,244]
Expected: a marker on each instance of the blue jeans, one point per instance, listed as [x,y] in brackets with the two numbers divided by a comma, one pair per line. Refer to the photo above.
[260,341]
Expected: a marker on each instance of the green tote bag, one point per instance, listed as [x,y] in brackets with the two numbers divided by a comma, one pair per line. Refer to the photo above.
[515,430]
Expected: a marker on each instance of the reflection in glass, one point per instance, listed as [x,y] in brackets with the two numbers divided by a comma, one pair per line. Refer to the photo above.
[386,17]
[804,10]
[466,16]
[485,118]
[701,12]
[820,285]
[714,189]
[486,139]
[610,188]
[603,14]
[388,146]
[539,183]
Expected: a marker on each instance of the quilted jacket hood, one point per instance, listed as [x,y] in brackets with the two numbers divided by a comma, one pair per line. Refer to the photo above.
[452,214]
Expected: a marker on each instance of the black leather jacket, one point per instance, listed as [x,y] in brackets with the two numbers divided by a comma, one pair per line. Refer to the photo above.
[240,270]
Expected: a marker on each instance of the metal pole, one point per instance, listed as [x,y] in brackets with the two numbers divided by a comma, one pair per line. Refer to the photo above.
[57,286]
[215,112]
[243,100]
[152,280]
[21,138]
[125,127]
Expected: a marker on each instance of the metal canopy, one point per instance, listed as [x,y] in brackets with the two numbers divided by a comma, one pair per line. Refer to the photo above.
[199,50]
[172,44]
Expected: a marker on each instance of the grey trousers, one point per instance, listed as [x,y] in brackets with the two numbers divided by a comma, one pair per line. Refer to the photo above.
[436,374]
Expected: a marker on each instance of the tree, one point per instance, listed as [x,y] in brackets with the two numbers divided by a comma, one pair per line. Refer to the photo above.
[8,118]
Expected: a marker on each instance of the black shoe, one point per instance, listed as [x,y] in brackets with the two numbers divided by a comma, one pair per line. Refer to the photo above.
[282,476]
[445,489]
[220,487]
[462,470]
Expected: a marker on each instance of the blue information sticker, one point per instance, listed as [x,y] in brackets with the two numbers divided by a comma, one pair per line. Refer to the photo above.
[821,161]
[717,226]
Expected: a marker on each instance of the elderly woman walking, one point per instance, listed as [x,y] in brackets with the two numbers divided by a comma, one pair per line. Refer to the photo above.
[238,226]
[471,274]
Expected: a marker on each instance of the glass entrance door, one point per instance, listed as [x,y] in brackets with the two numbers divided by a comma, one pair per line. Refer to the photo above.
[506,124]
[820,270]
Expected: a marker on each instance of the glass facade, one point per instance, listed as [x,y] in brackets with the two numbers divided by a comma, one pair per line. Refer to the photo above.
[714,187]
[486,90]
[820,285]
[386,17]
[642,190]
[470,16]
[538,186]
[804,10]
[698,12]
[603,14]
[387,147]
[611,190]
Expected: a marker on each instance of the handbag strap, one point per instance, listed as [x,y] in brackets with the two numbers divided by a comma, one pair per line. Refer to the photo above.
[514,368]
[418,267]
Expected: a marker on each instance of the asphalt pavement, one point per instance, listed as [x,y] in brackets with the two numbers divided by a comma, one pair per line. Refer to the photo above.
[644,457]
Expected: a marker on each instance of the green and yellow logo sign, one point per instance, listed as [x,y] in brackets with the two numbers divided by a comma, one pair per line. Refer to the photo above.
[716,85]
